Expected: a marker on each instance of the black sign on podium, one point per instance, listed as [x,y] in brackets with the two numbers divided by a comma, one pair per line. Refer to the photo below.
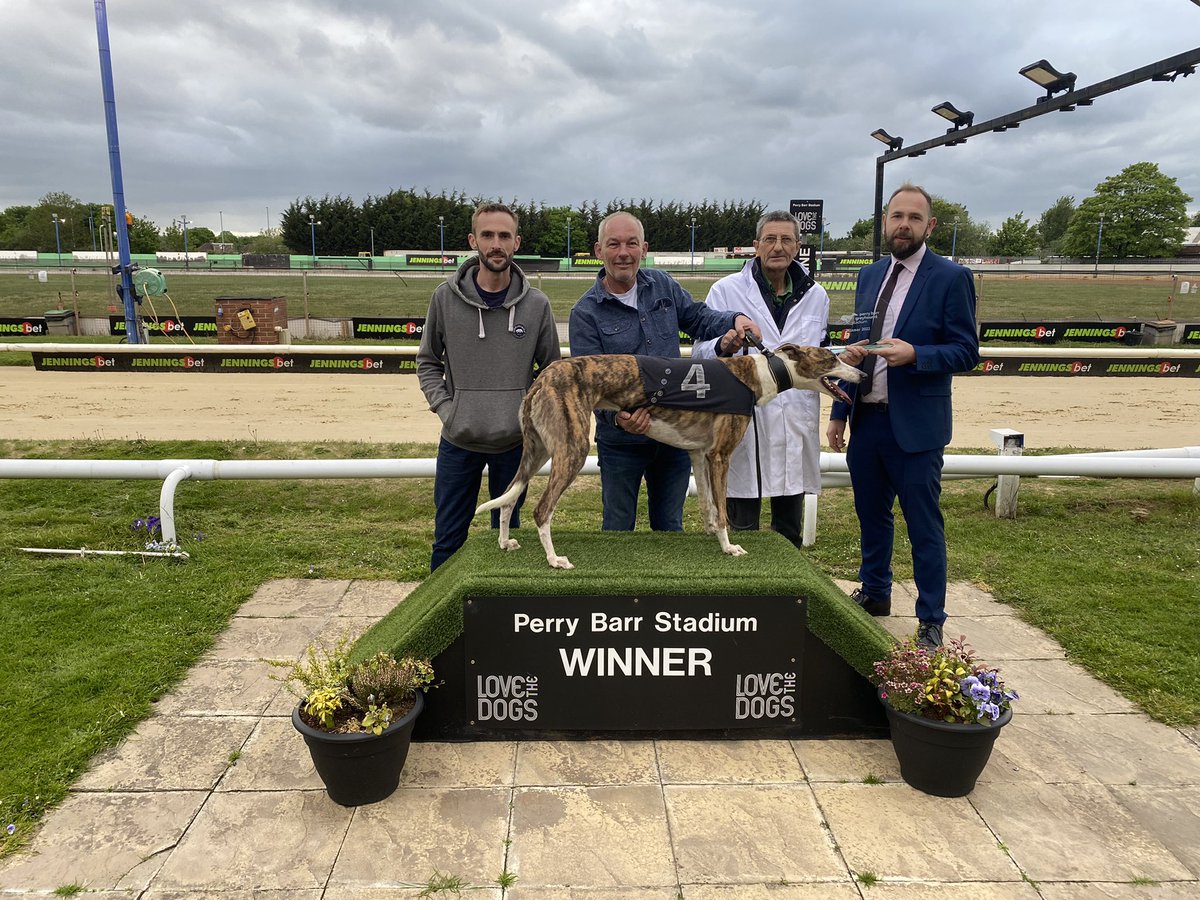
[633,663]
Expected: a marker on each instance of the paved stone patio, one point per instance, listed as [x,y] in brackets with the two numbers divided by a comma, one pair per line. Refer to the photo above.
[1084,797]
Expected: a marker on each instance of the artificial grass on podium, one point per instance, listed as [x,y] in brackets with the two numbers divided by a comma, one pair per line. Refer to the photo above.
[624,564]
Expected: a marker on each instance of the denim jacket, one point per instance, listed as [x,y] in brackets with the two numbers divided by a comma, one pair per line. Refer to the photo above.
[600,323]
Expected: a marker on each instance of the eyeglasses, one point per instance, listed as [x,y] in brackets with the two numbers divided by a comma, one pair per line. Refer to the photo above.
[772,240]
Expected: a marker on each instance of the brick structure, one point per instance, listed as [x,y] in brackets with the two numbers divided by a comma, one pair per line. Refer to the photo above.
[267,312]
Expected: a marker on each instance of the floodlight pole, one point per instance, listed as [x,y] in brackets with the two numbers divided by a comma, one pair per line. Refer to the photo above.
[954,240]
[568,243]
[57,242]
[1099,234]
[133,331]
[1163,70]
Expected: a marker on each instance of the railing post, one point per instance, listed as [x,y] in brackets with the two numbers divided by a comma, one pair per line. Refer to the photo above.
[1010,443]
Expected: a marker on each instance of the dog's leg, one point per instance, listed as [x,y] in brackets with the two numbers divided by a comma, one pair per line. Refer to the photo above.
[718,470]
[568,460]
[704,491]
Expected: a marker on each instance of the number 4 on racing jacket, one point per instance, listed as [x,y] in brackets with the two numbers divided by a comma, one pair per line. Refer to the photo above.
[695,384]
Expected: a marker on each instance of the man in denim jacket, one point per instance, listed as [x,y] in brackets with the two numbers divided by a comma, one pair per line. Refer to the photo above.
[632,310]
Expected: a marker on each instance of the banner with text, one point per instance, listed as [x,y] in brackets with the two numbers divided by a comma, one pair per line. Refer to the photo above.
[633,663]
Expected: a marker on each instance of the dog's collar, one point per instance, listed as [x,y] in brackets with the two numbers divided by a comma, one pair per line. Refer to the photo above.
[779,369]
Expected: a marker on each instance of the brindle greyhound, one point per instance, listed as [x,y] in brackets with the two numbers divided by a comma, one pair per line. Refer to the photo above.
[556,423]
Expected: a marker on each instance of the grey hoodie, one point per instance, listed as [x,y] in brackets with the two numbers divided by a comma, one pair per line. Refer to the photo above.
[475,364]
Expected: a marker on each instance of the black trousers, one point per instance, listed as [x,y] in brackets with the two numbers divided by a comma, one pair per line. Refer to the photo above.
[787,515]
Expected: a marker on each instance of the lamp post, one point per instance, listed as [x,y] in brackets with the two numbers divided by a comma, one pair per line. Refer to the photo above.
[568,243]
[693,227]
[57,242]
[1045,76]
[442,242]
[313,222]
[92,228]
[183,220]
[372,227]
[821,248]
[954,239]
[221,213]
[1099,234]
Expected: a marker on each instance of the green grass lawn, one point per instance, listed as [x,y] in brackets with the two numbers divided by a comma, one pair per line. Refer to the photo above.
[1108,568]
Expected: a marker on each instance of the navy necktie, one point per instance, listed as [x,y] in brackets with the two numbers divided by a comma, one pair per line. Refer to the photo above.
[864,386]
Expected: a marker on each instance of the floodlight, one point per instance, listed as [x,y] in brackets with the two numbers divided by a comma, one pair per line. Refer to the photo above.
[894,143]
[956,117]
[1045,75]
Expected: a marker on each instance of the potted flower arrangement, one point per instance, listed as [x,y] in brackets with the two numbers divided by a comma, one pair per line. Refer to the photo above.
[357,720]
[946,710]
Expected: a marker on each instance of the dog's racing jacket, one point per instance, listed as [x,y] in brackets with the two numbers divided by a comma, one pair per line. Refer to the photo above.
[697,384]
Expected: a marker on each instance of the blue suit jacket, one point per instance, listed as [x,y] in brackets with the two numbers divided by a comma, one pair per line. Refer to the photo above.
[938,319]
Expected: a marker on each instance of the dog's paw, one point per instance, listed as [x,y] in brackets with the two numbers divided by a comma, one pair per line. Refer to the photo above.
[510,544]
[735,550]
[560,562]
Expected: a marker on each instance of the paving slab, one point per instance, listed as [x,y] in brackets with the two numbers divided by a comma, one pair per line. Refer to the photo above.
[275,758]
[170,753]
[374,599]
[823,891]
[254,638]
[606,836]
[728,762]
[417,832]
[892,831]
[731,834]
[482,764]
[521,892]
[586,763]
[1074,832]
[474,892]
[305,597]
[997,639]
[103,841]
[1059,686]
[222,688]
[258,840]
[850,760]
[969,890]
[964,599]
[1171,814]
[1093,890]
[1113,748]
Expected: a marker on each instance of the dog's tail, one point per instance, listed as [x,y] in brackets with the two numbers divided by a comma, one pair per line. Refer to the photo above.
[508,498]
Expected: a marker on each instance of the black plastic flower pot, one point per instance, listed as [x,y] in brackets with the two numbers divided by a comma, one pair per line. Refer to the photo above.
[360,768]
[944,759]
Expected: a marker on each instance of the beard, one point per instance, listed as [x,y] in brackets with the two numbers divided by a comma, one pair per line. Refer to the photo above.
[496,264]
[904,247]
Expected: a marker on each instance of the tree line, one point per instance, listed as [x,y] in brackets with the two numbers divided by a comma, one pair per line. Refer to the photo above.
[427,221]
[1139,212]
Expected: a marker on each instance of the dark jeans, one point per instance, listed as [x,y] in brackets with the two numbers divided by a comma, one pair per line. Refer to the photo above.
[622,468]
[787,514]
[456,493]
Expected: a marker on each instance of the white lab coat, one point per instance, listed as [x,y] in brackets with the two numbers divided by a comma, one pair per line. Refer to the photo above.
[788,426]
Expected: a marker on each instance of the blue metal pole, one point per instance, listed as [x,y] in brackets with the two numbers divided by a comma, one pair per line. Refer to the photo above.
[821,249]
[186,261]
[92,229]
[312,230]
[954,239]
[57,242]
[133,331]
[693,258]
[568,243]
[1099,234]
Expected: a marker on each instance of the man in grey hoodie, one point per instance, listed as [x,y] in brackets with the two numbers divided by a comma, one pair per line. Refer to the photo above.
[486,334]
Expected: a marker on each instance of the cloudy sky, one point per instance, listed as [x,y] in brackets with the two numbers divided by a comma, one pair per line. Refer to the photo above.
[230,110]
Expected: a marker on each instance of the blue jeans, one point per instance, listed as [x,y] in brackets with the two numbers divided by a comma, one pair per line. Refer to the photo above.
[622,468]
[456,493]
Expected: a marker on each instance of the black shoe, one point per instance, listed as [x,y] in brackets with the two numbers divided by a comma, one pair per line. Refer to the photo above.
[870,605]
[929,636]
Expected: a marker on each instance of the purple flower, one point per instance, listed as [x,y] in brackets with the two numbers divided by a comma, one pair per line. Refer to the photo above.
[11,829]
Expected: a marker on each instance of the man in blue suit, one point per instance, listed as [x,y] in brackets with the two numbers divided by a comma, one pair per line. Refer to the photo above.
[917,310]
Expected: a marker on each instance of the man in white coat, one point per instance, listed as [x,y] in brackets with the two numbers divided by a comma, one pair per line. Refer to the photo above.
[780,456]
